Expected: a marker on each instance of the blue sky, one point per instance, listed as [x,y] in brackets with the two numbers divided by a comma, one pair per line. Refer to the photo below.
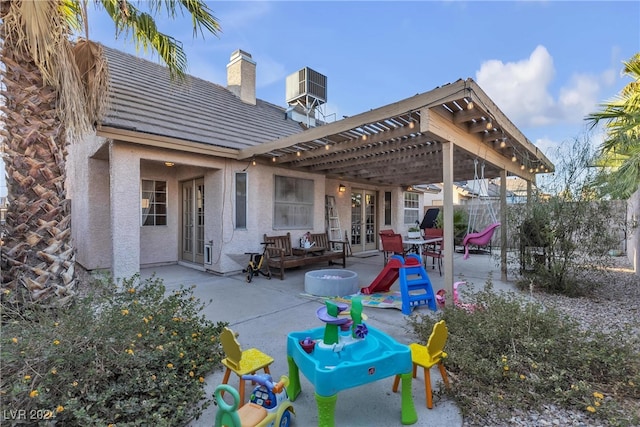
[546,64]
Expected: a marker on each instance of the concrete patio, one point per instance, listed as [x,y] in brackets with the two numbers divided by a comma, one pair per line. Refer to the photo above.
[265,311]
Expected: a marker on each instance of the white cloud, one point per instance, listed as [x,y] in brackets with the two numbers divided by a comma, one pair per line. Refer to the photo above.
[579,98]
[609,76]
[522,90]
[268,71]
[243,17]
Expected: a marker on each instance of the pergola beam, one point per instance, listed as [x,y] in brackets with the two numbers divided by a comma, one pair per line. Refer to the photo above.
[436,123]
[439,95]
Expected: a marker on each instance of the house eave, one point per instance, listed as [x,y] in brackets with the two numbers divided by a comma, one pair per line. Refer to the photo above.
[165,142]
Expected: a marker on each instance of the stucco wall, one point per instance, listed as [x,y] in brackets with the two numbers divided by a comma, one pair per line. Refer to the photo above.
[88,189]
[107,220]
[124,172]
[230,243]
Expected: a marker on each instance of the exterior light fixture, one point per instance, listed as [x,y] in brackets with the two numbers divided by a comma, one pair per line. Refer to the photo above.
[514,158]
[169,164]
[253,162]
[273,159]
[470,105]
[364,137]
[522,166]
[298,153]
[489,125]
[326,146]
[411,124]
[342,188]
[503,142]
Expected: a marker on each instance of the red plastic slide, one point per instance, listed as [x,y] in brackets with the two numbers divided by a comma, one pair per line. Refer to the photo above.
[388,275]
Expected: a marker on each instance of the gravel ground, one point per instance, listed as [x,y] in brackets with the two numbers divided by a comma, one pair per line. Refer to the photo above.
[615,304]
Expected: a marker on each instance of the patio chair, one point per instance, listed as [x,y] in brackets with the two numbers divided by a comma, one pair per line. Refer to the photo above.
[435,251]
[428,356]
[241,362]
[430,233]
[391,245]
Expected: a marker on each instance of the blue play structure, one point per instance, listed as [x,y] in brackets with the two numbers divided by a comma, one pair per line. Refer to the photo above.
[415,286]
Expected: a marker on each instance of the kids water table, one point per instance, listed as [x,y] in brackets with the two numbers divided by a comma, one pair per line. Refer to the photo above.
[349,363]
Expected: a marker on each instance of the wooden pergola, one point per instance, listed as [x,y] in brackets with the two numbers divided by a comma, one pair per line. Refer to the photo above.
[433,137]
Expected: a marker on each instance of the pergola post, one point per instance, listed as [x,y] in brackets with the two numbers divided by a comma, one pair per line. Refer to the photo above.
[503,225]
[447,180]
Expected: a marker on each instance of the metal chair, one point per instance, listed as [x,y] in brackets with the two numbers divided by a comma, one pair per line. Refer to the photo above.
[436,250]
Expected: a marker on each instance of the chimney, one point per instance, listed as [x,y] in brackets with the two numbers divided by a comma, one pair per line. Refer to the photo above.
[241,76]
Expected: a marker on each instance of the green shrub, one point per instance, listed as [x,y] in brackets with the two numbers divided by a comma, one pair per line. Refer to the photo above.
[513,353]
[460,224]
[124,355]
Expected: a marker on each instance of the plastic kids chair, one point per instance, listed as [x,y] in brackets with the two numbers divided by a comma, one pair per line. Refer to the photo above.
[241,362]
[432,354]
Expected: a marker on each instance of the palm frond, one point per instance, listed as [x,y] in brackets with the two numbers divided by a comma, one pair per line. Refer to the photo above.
[146,36]
[130,21]
[72,14]
[201,17]
[621,146]
[94,73]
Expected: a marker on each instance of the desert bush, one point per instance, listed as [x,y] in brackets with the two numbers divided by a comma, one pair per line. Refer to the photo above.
[127,355]
[576,230]
[510,353]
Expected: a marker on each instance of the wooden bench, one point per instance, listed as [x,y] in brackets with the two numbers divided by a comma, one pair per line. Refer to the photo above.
[281,255]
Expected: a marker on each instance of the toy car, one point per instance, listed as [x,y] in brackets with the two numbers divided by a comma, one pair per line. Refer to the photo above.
[269,405]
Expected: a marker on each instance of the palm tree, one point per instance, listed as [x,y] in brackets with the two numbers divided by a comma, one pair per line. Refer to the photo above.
[620,151]
[54,90]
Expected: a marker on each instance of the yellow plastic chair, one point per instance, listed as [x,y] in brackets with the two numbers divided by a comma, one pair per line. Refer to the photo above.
[432,354]
[241,362]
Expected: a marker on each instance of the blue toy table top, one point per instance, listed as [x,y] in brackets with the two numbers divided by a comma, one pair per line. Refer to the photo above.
[349,363]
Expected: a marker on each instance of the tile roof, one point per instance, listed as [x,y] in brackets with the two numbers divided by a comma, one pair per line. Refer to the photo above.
[143,99]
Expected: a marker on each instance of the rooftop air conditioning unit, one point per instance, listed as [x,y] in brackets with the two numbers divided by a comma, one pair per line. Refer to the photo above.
[306,86]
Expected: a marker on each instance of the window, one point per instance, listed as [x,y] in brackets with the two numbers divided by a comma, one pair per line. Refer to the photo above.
[411,208]
[293,203]
[154,202]
[241,200]
[387,208]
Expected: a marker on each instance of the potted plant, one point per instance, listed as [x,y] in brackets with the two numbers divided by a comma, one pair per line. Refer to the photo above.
[414,232]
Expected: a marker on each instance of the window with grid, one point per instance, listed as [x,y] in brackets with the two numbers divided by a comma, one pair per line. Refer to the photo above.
[154,202]
[411,208]
[293,203]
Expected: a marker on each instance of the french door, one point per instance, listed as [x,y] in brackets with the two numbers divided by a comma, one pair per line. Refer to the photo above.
[363,220]
[192,227]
